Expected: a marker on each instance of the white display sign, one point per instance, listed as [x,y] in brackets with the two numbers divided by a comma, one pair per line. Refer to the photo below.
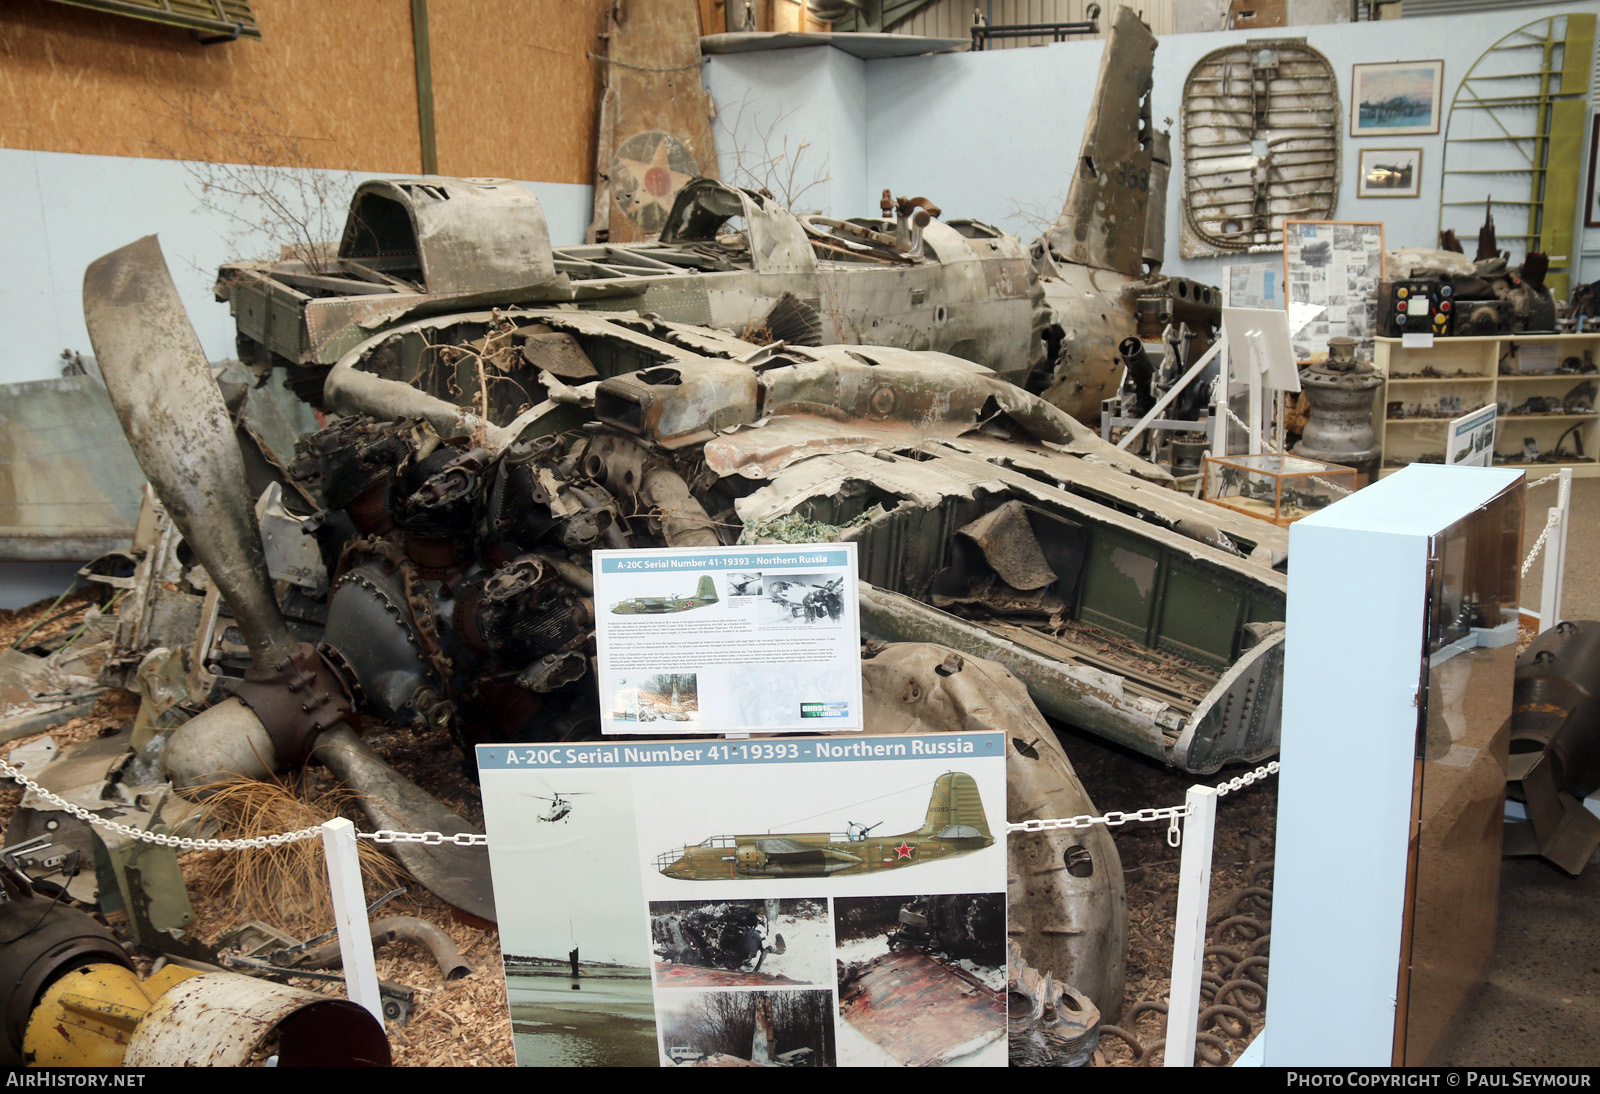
[1470,439]
[804,901]
[728,639]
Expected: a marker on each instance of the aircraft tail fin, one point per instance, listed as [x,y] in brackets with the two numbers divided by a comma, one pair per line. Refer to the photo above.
[956,809]
[1103,221]
[707,590]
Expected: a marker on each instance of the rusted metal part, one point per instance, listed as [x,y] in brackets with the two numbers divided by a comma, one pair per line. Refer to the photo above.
[1049,1024]
[920,1011]
[404,928]
[684,521]
[1260,132]
[450,236]
[1555,749]
[1103,221]
[296,699]
[226,1020]
[1067,901]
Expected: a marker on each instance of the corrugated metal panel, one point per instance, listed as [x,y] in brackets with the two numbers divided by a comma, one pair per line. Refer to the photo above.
[953,18]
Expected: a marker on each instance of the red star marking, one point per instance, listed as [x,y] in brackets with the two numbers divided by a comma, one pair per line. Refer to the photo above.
[903,851]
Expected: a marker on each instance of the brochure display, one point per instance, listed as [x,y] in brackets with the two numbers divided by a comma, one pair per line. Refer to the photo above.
[728,639]
[794,902]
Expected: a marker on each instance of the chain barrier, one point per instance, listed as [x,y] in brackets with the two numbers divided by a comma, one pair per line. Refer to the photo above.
[181,843]
[1171,814]
[1114,819]
[1550,521]
[430,839]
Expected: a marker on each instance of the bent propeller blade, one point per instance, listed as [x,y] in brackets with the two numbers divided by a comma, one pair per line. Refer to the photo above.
[180,431]
[182,435]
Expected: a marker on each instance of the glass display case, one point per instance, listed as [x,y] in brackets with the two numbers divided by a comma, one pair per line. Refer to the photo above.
[1276,487]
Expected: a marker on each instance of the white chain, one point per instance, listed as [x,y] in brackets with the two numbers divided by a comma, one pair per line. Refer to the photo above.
[182,843]
[1110,820]
[432,839]
[1549,521]
[1171,814]
[1265,770]
[1113,819]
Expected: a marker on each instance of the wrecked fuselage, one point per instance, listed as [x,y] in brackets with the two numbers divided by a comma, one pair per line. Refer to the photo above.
[1048,317]
[986,519]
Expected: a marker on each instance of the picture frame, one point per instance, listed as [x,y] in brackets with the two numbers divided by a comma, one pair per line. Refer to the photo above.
[1396,98]
[1389,173]
[1591,204]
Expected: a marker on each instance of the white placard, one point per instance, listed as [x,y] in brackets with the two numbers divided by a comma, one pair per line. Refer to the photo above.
[1252,285]
[757,639]
[1469,442]
[650,893]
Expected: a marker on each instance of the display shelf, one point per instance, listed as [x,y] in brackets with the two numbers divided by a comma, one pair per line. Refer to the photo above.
[1489,364]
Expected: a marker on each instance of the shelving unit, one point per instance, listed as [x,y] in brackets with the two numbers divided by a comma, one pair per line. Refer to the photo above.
[1468,373]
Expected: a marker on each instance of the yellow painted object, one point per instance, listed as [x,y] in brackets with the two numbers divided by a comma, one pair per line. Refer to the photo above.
[85,1018]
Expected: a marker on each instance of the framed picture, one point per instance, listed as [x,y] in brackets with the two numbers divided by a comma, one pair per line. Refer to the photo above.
[1397,99]
[1591,206]
[1389,173]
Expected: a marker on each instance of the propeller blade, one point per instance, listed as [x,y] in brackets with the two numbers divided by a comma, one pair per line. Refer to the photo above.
[457,875]
[180,431]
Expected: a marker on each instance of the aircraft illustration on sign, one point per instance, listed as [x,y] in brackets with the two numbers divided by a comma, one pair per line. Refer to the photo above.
[955,825]
[660,605]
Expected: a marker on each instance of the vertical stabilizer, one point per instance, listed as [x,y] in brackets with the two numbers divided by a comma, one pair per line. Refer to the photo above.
[956,809]
[1103,221]
[707,592]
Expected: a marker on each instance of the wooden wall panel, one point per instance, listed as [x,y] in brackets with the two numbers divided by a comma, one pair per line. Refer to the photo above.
[330,85]
[514,93]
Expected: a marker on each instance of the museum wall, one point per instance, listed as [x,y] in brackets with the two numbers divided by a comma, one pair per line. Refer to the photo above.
[994,135]
[794,121]
[112,122]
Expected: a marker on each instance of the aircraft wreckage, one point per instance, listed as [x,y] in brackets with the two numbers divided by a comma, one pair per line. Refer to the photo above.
[425,559]
[1047,316]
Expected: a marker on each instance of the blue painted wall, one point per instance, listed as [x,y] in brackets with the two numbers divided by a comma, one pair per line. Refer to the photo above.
[63,210]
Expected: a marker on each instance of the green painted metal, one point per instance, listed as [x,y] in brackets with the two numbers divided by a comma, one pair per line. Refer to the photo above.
[419,48]
[1543,130]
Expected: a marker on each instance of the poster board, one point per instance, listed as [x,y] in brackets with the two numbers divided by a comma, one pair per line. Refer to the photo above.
[641,888]
[728,639]
[1334,265]
[1469,442]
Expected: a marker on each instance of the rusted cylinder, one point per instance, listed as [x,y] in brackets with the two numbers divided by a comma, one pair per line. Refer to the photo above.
[1555,704]
[226,1020]
[684,521]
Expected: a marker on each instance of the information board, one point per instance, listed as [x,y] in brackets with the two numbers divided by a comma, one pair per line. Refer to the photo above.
[804,900]
[728,639]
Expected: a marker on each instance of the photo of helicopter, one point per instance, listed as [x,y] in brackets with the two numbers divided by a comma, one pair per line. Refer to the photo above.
[956,825]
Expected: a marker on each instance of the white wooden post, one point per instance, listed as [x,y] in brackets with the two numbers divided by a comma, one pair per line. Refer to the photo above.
[1189,936]
[1555,554]
[350,915]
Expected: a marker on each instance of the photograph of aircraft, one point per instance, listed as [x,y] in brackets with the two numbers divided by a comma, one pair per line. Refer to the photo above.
[705,593]
[955,825]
